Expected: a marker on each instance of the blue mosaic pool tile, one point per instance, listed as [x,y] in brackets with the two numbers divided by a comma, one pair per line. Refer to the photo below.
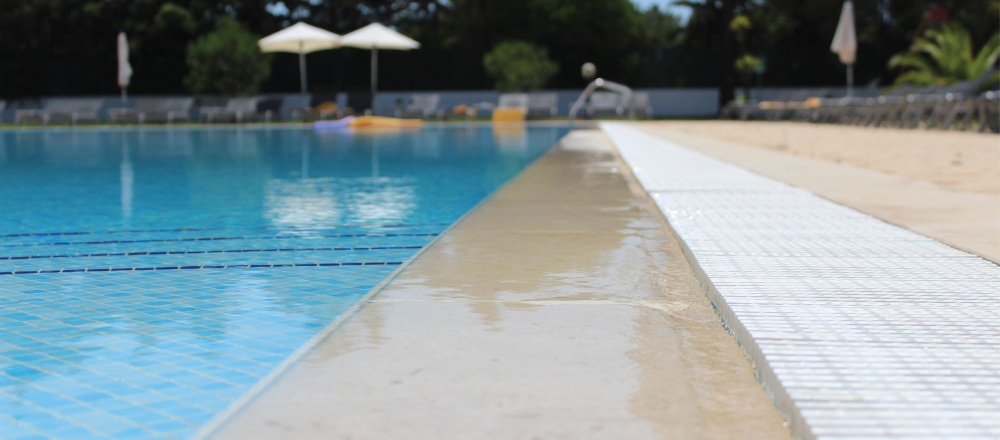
[149,278]
[165,378]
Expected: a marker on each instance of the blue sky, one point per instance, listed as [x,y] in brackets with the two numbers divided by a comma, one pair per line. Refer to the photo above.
[684,13]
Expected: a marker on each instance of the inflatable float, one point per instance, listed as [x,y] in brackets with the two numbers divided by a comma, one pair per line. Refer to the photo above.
[368,121]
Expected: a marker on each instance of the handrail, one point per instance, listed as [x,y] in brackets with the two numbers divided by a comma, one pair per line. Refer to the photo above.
[602,83]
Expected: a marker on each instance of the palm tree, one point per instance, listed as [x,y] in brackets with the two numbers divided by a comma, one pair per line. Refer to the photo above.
[945,56]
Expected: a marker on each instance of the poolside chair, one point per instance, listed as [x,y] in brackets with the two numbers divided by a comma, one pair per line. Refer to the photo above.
[640,104]
[875,110]
[513,100]
[924,108]
[170,110]
[732,109]
[324,110]
[543,105]
[421,105]
[269,109]
[237,110]
[956,99]
[70,110]
[989,112]
[296,106]
[892,106]
[134,114]
[961,112]
[604,103]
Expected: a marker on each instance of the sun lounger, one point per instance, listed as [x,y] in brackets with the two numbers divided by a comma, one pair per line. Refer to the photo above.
[297,106]
[422,106]
[921,108]
[736,109]
[134,114]
[543,105]
[513,100]
[989,112]
[963,111]
[957,99]
[237,110]
[269,109]
[875,110]
[890,108]
[640,104]
[70,110]
[604,103]
[325,110]
[170,110]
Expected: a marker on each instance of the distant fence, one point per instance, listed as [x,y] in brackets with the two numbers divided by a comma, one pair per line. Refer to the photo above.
[666,103]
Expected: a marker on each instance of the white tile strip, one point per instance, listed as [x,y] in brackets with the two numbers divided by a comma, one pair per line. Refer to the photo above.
[857,328]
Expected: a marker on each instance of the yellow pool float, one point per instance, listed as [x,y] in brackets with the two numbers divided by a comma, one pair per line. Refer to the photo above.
[370,122]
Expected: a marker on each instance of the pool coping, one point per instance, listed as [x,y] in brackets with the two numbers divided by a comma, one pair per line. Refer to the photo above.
[221,418]
[629,289]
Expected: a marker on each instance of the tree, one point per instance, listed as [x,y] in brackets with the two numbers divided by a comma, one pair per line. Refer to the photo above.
[519,66]
[227,61]
[944,56]
[747,65]
[709,25]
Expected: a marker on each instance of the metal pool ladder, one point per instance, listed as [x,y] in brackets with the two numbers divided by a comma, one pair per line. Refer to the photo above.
[601,83]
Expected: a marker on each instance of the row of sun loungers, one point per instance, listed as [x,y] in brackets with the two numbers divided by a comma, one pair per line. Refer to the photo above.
[240,110]
[166,110]
[62,110]
[955,106]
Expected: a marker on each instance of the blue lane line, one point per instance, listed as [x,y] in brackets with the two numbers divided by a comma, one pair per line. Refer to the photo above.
[219,266]
[221,251]
[163,240]
[139,231]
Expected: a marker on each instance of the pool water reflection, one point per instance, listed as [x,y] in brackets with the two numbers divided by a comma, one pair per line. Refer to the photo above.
[148,278]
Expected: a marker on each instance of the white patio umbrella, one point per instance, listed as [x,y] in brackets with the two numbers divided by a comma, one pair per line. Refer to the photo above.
[124,68]
[375,37]
[300,38]
[845,43]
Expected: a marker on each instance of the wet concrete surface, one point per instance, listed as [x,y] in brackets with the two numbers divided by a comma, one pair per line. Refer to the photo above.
[561,308]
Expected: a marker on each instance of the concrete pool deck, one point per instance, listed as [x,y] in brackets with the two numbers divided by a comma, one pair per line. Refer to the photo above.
[562,307]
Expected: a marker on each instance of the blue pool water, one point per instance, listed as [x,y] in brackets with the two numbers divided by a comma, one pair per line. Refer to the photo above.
[149,278]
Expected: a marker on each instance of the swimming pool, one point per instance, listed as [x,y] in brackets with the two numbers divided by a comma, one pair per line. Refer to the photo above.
[149,278]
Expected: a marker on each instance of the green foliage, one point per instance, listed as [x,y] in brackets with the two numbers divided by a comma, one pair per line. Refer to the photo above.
[660,28]
[66,47]
[172,16]
[747,64]
[227,61]
[519,66]
[740,24]
[944,56]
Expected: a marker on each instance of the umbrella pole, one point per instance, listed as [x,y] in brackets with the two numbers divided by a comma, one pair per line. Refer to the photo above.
[124,96]
[374,76]
[850,80]
[302,69]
